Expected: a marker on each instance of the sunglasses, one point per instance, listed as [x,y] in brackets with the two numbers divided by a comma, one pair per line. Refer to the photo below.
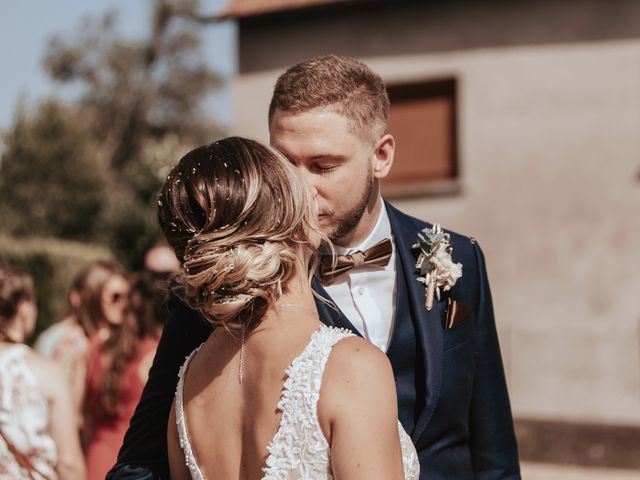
[118,297]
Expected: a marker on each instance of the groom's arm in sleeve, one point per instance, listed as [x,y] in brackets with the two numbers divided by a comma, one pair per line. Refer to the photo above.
[494,453]
[144,452]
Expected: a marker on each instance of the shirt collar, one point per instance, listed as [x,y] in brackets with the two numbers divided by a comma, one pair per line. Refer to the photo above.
[381,230]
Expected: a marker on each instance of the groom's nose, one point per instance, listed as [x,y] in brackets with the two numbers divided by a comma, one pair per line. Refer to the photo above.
[309,179]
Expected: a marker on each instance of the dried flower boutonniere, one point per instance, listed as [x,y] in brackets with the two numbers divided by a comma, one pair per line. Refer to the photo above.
[436,267]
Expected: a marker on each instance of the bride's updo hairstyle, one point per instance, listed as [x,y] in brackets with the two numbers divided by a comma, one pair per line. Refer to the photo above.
[238,217]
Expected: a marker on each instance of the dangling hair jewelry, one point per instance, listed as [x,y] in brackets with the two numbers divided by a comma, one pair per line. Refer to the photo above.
[241,369]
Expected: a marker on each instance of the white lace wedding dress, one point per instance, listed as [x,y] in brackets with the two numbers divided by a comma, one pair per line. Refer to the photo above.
[299,450]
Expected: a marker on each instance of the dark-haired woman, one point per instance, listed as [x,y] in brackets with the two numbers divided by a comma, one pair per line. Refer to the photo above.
[272,393]
[38,424]
[118,361]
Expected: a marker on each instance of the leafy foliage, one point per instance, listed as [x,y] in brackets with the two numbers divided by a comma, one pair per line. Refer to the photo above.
[138,89]
[52,179]
[89,170]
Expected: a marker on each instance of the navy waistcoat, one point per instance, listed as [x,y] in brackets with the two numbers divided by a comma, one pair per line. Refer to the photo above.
[403,352]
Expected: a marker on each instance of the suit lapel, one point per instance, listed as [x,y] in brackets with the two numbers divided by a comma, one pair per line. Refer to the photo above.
[329,315]
[427,323]
[429,334]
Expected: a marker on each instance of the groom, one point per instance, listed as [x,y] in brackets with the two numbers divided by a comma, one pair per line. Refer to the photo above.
[329,115]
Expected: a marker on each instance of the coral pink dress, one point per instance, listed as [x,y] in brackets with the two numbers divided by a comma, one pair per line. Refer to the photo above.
[107,433]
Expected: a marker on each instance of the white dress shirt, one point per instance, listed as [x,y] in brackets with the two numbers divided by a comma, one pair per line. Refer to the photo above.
[367,294]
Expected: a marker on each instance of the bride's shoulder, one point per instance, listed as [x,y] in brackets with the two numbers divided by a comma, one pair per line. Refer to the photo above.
[353,351]
[357,382]
[356,363]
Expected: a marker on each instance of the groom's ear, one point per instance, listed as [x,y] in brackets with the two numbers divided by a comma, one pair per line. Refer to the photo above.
[383,155]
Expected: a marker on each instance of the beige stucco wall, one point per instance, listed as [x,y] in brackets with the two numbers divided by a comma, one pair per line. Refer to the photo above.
[550,162]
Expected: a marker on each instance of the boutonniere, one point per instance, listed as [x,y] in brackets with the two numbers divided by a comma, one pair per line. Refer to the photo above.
[434,263]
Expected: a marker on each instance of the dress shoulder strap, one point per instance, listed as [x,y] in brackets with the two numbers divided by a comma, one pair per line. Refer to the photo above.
[183,433]
[299,430]
[306,371]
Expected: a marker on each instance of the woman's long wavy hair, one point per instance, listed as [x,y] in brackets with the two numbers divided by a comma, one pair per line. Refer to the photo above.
[89,284]
[120,347]
[240,219]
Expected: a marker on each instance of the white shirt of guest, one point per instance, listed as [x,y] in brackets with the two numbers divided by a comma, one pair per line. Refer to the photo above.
[367,294]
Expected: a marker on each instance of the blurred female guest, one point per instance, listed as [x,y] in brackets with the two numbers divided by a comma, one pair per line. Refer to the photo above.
[118,360]
[66,341]
[38,424]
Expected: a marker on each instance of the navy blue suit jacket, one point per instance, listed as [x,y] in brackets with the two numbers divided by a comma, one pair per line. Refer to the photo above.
[463,429]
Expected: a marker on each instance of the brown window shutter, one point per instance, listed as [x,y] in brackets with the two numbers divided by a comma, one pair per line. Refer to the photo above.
[422,119]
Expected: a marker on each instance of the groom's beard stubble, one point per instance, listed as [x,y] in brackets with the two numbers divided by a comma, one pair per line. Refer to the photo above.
[350,220]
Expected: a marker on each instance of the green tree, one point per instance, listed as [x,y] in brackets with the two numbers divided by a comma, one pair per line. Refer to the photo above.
[90,170]
[139,89]
[52,179]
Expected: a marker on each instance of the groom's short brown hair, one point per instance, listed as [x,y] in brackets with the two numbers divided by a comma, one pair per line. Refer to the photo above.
[344,84]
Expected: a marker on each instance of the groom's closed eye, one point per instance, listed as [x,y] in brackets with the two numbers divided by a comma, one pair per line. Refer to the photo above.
[324,164]
[324,170]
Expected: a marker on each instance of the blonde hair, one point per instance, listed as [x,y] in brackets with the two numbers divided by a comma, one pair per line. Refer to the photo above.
[239,218]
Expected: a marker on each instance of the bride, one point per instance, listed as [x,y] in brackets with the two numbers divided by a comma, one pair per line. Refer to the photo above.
[272,393]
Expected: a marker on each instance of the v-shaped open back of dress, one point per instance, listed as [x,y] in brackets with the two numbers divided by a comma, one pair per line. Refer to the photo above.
[299,449]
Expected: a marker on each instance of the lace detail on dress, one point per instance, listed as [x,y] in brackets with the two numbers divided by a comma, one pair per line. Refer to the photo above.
[299,450]
[181,422]
[410,461]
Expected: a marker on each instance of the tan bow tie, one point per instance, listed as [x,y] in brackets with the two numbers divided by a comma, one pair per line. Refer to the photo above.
[378,255]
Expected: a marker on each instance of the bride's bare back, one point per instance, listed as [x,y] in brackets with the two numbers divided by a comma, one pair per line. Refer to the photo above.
[230,424]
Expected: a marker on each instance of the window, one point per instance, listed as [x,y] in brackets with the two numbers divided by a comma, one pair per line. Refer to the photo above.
[423,121]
